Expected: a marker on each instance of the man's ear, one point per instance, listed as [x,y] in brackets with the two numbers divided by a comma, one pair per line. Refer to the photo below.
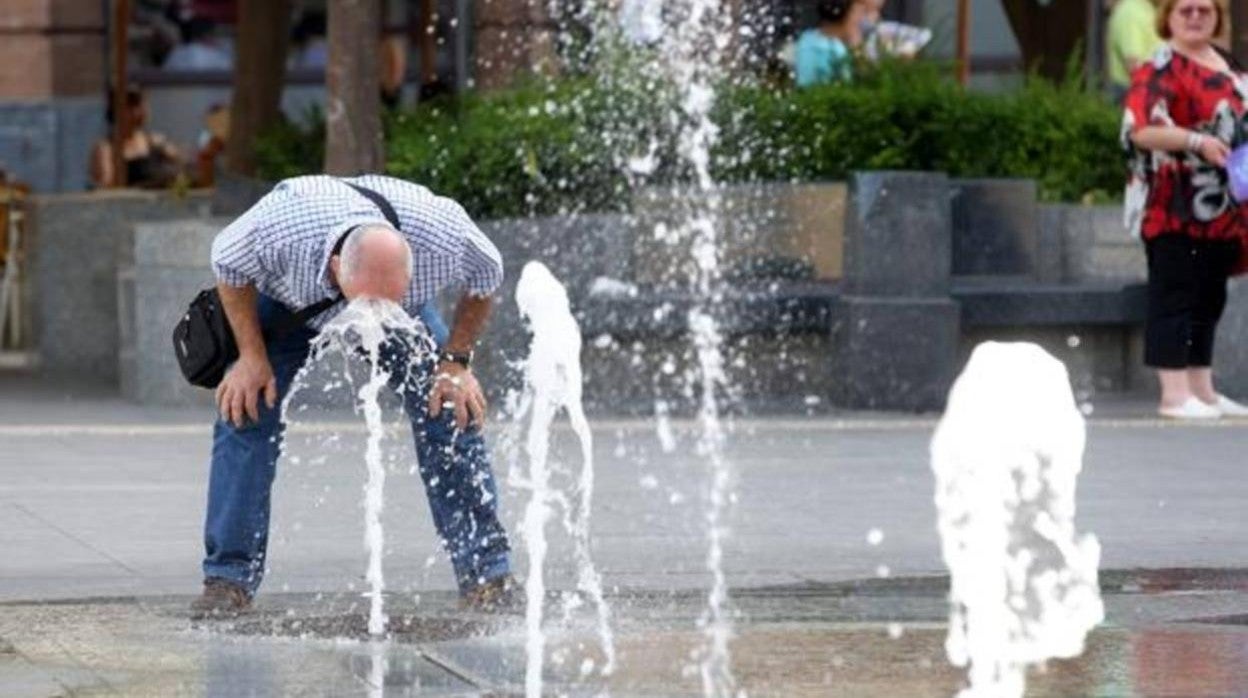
[335,264]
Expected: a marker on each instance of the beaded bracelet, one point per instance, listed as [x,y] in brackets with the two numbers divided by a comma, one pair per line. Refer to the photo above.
[1194,141]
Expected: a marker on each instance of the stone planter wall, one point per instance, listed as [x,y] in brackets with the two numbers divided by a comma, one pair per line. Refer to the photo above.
[81,246]
[883,252]
[170,267]
[765,230]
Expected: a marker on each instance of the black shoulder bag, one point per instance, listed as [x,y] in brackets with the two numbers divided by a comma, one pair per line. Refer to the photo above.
[203,341]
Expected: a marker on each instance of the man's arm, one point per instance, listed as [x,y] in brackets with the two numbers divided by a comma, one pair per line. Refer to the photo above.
[454,384]
[481,272]
[238,394]
[237,264]
[470,317]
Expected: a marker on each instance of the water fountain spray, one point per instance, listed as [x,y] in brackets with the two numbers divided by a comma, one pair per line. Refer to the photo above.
[553,382]
[1006,457]
[694,47]
[682,46]
[364,327]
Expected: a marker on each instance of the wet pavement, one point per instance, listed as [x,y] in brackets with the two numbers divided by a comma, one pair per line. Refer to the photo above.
[101,506]
[1168,633]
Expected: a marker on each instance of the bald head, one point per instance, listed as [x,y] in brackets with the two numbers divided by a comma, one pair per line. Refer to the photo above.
[376,262]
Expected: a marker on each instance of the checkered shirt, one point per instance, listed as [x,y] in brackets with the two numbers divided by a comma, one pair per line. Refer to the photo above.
[282,244]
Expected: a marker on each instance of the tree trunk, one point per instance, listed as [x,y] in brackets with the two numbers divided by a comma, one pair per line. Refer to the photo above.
[259,74]
[962,50]
[353,138]
[513,38]
[1048,33]
[120,41]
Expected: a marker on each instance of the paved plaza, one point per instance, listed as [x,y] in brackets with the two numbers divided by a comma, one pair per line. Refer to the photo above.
[101,506]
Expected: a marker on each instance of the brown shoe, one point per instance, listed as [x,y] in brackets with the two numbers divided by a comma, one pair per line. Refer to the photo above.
[221,599]
[499,595]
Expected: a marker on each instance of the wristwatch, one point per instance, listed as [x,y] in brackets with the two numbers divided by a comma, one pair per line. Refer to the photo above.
[463,358]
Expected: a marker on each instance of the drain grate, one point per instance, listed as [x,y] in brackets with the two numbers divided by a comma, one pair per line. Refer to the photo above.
[1236,619]
[1177,579]
[401,628]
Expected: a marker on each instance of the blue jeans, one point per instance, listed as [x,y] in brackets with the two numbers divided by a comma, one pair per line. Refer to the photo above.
[455,468]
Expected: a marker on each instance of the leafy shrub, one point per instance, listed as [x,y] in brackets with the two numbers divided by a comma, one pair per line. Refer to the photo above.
[910,118]
[567,146]
[290,149]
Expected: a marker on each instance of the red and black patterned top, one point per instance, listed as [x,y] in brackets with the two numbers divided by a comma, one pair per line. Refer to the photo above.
[1178,192]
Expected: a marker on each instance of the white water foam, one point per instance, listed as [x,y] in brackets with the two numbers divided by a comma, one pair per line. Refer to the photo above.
[642,20]
[1006,456]
[553,382]
[364,326]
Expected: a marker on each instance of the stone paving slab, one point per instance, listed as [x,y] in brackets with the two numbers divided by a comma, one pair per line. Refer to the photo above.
[872,638]
[115,507]
[99,499]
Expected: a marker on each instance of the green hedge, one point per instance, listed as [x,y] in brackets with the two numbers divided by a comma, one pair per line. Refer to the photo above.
[561,148]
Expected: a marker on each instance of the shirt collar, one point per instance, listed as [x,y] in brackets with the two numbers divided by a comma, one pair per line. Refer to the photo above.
[334,234]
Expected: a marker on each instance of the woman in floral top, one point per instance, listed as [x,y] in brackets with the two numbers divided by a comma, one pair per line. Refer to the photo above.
[1184,111]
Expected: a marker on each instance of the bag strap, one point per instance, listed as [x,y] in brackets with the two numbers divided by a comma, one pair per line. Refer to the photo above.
[379,201]
[315,309]
[294,321]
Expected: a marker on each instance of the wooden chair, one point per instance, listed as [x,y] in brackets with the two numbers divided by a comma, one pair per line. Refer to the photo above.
[12,229]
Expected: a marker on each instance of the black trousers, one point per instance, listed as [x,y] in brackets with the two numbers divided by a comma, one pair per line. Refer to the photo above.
[1186,296]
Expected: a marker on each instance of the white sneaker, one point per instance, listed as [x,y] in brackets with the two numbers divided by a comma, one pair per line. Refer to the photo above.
[1192,409]
[1230,408]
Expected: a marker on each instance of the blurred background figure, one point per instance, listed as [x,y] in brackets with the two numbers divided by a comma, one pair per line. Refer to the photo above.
[882,37]
[825,52]
[1130,40]
[393,68]
[309,41]
[212,142]
[200,49]
[151,161]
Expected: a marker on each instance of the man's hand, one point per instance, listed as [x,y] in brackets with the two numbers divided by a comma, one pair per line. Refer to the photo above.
[238,396]
[240,389]
[455,387]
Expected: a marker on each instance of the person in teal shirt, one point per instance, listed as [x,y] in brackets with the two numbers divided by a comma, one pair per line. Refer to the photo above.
[824,53]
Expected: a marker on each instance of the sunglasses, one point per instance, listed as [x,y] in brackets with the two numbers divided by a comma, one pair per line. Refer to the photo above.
[1200,12]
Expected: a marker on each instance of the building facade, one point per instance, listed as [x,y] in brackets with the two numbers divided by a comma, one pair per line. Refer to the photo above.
[54,60]
[52,83]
